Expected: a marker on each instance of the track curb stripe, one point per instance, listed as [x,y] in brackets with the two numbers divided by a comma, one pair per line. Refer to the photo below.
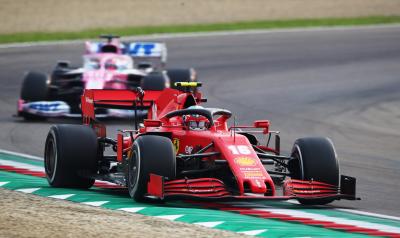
[21,155]
[3,183]
[27,169]
[247,209]
[95,204]
[61,196]
[269,214]
[131,209]
[170,217]
[27,190]
[209,224]
[335,220]
[369,214]
[192,213]
[253,232]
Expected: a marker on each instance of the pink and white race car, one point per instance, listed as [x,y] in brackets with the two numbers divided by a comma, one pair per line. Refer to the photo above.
[106,65]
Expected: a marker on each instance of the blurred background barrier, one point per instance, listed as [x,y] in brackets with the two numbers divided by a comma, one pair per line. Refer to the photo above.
[75,15]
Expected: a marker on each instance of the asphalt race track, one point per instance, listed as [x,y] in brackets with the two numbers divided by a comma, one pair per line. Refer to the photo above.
[343,84]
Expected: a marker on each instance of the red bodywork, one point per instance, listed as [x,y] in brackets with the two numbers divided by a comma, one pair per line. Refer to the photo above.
[249,180]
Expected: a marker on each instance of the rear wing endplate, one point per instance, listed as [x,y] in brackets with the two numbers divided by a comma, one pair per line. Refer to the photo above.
[154,53]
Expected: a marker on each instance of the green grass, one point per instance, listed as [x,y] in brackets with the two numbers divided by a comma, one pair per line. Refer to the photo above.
[129,31]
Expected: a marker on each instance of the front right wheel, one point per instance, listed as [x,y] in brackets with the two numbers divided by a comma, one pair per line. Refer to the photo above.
[34,88]
[150,154]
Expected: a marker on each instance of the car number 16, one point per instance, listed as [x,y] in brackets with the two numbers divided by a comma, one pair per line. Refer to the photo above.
[239,149]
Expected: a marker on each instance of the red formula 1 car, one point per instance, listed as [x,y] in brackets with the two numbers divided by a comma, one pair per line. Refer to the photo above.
[186,151]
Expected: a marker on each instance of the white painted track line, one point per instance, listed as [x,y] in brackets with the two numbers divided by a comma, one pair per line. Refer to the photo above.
[371,214]
[170,217]
[21,154]
[22,165]
[338,220]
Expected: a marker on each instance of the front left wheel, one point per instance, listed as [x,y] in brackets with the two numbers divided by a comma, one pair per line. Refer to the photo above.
[70,156]
[314,158]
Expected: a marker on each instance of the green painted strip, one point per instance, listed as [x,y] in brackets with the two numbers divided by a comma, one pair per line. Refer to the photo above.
[335,213]
[191,214]
[20,159]
[328,211]
[212,27]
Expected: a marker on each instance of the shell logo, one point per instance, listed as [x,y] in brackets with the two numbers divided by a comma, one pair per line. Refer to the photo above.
[245,161]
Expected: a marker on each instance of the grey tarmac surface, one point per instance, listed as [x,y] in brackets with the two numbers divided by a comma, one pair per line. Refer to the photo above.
[343,84]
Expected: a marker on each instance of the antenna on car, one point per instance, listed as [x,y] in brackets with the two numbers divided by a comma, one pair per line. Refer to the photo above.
[234,129]
[139,99]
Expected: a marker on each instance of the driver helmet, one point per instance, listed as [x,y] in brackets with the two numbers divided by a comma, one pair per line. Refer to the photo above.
[195,121]
[93,63]
[111,64]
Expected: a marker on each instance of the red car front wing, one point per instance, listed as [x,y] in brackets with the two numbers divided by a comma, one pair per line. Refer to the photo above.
[215,189]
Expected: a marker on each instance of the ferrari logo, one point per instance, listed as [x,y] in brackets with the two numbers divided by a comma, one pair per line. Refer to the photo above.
[175,142]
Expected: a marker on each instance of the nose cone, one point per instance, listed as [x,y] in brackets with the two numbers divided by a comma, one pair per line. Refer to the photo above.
[96,79]
[257,186]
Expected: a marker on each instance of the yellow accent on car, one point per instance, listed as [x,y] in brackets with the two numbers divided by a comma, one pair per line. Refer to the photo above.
[175,142]
[245,161]
[187,84]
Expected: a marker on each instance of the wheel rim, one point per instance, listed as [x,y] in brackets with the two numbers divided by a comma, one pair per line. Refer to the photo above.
[50,159]
[133,173]
[298,170]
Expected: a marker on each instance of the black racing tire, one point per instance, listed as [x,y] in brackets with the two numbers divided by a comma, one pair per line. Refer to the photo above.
[56,75]
[150,154]
[62,72]
[154,81]
[314,158]
[70,156]
[34,88]
[182,75]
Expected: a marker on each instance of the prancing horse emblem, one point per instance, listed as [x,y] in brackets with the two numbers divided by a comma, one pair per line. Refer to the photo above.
[175,142]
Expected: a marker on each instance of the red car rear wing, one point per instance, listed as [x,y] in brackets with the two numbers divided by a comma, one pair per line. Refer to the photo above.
[157,103]
[124,99]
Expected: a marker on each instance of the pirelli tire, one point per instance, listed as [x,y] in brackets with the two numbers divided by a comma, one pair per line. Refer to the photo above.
[314,158]
[150,154]
[61,72]
[34,88]
[154,81]
[70,157]
[182,75]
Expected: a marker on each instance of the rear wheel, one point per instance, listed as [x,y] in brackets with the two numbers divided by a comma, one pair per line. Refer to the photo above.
[150,154]
[182,75]
[154,81]
[34,88]
[61,72]
[70,156]
[314,158]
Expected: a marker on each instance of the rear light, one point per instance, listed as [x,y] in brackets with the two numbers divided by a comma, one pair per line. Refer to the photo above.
[152,123]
